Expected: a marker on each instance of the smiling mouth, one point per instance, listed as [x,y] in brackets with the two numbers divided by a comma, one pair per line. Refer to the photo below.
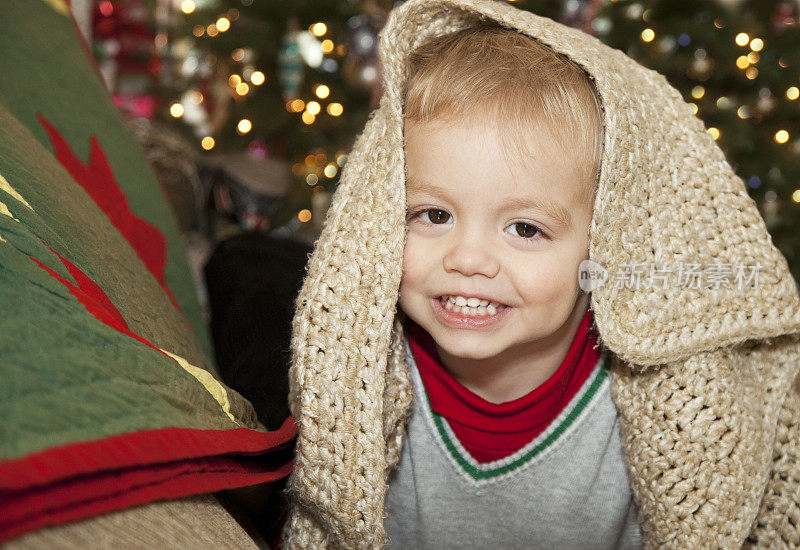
[474,307]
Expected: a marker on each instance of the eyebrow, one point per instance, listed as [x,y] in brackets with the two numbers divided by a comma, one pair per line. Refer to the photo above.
[555,211]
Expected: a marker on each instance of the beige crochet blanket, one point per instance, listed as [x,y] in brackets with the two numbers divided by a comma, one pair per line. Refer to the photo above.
[702,377]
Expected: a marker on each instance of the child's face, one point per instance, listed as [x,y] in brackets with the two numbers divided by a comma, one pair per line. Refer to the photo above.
[480,227]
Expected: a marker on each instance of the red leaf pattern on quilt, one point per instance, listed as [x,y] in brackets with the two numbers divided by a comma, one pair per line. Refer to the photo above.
[97,178]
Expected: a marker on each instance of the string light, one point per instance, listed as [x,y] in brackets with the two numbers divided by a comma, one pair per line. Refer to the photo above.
[751,73]
[753,57]
[756,44]
[693,107]
[313,107]
[723,102]
[796,195]
[742,39]
[212,30]
[257,78]
[330,170]
[196,97]
[304,215]
[322,91]
[223,24]
[648,35]
[743,111]
[792,93]
[742,62]
[238,54]
[312,179]
[698,92]
[318,29]
[335,109]
[198,30]
[781,136]
[207,143]
[715,133]
[176,110]
[327,45]
[296,105]
[242,88]
[234,80]
[307,117]
[187,6]
[244,126]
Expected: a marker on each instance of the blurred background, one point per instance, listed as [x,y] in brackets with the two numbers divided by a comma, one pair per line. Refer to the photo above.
[247,110]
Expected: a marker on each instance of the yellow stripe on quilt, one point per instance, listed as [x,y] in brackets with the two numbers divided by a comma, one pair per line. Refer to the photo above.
[58,5]
[4,210]
[5,186]
[216,389]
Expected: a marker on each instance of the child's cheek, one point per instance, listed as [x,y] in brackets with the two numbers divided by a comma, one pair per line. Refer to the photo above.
[546,282]
[413,256]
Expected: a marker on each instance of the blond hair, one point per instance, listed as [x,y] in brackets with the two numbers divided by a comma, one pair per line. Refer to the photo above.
[515,83]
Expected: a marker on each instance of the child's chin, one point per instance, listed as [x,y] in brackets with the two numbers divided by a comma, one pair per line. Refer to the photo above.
[469,351]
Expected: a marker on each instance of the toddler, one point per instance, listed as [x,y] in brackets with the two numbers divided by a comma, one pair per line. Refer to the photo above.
[543,311]
[514,410]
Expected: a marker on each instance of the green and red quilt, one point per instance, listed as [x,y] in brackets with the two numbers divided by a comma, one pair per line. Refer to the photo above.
[108,398]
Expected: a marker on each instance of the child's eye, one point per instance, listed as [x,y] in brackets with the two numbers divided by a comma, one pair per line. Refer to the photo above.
[524,230]
[434,215]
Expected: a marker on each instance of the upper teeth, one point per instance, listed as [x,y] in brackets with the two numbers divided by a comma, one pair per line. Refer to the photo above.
[471,306]
[471,302]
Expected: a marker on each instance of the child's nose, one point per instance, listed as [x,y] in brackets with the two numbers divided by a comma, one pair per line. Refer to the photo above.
[471,256]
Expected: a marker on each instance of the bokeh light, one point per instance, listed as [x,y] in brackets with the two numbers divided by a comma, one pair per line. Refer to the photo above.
[322,91]
[319,29]
[742,39]
[244,126]
[257,78]
[313,107]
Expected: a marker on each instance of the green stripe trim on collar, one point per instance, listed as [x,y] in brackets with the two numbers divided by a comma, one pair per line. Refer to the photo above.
[480,474]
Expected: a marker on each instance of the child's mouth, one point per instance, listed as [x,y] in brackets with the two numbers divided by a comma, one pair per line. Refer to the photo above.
[474,307]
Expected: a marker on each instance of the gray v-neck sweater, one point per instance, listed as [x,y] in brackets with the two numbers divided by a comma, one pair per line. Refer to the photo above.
[566,489]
